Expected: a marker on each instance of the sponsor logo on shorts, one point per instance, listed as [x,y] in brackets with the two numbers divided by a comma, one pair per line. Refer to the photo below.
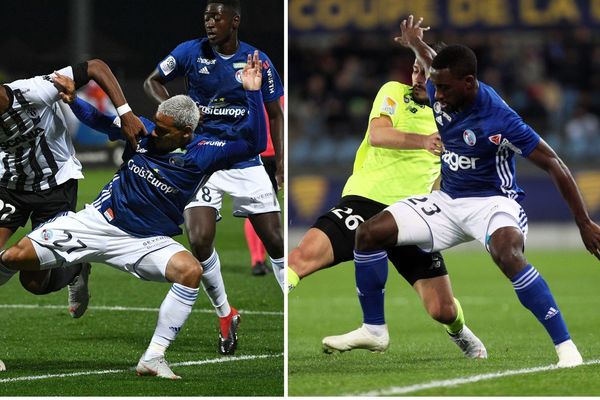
[469,137]
[46,234]
[154,241]
[456,161]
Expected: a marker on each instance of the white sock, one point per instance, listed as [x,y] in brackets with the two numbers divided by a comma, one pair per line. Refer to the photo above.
[214,287]
[174,311]
[279,271]
[5,273]
[377,330]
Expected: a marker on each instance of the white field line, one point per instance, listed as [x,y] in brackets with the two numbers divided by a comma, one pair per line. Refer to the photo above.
[119,308]
[396,390]
[117,371]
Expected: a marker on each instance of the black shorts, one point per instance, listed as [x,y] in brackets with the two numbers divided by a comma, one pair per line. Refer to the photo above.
[340,223]
[18,207]
[271,168]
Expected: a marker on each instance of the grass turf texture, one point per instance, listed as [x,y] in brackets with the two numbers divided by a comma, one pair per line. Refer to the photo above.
[420,351]
[42,341]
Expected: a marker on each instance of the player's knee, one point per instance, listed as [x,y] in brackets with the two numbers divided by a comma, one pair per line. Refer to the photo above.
[201,243]
[190,274]
[300,261]
[34,286]
[273,242]
[14,256]
[506,249]
[365,239]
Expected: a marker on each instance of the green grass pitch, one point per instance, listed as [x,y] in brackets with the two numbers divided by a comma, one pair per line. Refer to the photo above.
[97,353]
[421,360]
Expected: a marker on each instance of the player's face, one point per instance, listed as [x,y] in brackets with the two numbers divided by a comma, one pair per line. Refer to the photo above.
[450,91]
[167,137]
[419,93]
[220,23]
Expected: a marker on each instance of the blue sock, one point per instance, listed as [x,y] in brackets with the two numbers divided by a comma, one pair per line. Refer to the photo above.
[535,295]
[371,269]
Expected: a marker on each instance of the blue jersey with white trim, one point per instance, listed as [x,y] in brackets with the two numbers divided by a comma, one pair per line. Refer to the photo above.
[215,85]
[480,143]
[148,194]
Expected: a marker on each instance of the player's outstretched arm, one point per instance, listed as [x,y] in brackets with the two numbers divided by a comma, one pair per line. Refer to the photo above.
[545,158]
[84,111]
[412,37]
[131,126]
[383,134]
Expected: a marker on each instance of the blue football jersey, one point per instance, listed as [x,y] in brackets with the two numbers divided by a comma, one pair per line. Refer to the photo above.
[215,84]
[148,194]
[480,143]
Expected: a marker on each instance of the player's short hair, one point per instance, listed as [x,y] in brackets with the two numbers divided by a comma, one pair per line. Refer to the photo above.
[182,109]
[231,4]
[459,59]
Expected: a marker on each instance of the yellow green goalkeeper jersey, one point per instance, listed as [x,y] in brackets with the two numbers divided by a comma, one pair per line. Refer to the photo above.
[388,175]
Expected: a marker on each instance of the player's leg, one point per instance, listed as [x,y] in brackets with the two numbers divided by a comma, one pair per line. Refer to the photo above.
[5,273]
[46,205]
[185,272]
[427,274]
[200,217]
[506,243]
[257,250]
[330,240]
[268,228]
[398,224]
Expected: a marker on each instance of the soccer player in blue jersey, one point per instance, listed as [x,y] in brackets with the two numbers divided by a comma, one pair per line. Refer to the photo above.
[479,197]
[211,67]
[130,224]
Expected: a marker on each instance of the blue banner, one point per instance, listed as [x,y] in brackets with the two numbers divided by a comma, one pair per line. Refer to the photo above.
[362,15]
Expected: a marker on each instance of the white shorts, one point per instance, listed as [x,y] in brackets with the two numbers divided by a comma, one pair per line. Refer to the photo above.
[87,237]
[437,222]
[250,188]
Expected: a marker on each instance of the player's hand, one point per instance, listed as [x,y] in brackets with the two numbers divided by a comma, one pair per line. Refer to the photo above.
[412,32]
[590,234]
[433,144]
[132,127]
[252,72]
[65,86]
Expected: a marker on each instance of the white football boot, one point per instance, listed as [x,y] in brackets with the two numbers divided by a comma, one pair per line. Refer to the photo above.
[79,295]
[155,367]
[360,338]
[470,344]
[568,355]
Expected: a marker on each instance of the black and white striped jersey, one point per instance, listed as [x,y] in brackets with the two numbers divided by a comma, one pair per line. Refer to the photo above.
[36,151]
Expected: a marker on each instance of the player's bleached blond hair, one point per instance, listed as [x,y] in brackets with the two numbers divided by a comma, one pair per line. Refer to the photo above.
[182,109]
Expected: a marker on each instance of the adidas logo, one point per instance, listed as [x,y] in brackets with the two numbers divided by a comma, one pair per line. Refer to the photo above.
[204,71]
[551,313]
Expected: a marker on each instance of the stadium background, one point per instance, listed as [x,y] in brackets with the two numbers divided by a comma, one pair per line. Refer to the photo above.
[132,37]
[543,57]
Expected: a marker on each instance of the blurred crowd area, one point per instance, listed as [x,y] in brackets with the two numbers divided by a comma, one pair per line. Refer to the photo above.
[550,77]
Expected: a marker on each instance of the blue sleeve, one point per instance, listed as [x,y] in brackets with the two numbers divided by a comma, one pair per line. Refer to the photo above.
[93,118]
[272,88]
[522,137]
[252,134]
[175,64]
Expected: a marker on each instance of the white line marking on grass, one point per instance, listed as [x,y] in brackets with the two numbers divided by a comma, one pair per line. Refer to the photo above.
[395,390]
[119,308]
[118,371]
